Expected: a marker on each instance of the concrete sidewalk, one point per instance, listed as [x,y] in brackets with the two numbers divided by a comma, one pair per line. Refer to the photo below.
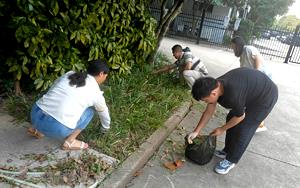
[273,157]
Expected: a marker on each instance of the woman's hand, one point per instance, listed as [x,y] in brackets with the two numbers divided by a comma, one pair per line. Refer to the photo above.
[218,131]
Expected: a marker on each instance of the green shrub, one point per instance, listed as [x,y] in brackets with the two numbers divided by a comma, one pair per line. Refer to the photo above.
[57,36]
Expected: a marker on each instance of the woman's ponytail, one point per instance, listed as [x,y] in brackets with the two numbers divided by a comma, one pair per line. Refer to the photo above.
[77,79]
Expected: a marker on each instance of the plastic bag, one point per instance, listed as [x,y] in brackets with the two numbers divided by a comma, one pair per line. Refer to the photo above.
[201,150]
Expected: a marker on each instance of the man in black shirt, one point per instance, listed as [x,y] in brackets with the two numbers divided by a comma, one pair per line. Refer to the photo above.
[250,95]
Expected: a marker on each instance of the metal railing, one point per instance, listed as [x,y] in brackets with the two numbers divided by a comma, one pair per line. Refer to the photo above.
[188,25]
[273,43]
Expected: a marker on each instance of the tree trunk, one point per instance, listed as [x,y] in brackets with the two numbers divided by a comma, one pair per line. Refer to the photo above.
[165,20]
[194,21]
[18,91]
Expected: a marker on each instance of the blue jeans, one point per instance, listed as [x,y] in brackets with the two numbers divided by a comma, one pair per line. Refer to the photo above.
[238,137]
[52,128]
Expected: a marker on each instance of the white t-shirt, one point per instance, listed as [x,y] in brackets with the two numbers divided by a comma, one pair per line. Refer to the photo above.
[247,59]
[66,103]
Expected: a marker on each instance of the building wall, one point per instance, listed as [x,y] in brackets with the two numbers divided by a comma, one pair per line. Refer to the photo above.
[221,11]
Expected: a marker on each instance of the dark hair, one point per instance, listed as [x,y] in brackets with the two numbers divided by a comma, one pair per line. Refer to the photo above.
[239,45]
[94,68]
[203,87]
[176,48]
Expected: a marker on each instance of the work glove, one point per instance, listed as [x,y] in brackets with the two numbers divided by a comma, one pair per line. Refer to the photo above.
[191,137]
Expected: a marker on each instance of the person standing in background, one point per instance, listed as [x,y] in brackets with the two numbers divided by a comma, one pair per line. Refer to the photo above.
[250,57]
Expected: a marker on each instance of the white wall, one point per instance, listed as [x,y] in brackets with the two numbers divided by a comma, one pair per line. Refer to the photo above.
[221,11]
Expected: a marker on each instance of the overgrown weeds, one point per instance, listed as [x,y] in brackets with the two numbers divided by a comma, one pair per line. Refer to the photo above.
[73,171]
[139,104]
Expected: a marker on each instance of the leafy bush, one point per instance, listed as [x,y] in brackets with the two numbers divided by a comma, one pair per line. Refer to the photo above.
[57,36]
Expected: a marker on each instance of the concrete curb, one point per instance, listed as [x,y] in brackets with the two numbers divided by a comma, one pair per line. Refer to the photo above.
[123,174]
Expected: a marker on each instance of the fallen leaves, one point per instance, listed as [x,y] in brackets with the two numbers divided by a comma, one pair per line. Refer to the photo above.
[137,173]
[172,154]
[173,165]
[72,171]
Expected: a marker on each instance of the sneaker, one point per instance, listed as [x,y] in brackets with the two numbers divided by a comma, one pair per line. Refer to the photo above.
[220,153]
[224,167]
[261,129]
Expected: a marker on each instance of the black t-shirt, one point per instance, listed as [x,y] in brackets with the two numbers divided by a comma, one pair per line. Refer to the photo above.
[246,88]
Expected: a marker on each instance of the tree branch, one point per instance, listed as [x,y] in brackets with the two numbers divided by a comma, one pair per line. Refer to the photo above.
[162,10]
[171,12]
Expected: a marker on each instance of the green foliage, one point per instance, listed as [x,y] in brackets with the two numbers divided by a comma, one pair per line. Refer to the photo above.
[161,59]
[263,12]
[2,7]
[58,36]
[19,106]
[290,22]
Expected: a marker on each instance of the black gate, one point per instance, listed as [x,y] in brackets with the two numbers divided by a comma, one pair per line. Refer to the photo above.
[278,43]
[293,54]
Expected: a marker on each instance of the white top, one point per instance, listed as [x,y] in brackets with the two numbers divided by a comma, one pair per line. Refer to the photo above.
[66,103]
[247,59]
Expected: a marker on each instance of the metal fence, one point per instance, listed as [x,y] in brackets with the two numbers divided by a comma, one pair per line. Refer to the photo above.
[185,25]
[273,43]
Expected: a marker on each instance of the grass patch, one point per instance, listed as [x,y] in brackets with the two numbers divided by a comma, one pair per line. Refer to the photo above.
[20,106]
[139,104]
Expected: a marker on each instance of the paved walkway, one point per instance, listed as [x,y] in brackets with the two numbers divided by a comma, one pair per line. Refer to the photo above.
[272,158]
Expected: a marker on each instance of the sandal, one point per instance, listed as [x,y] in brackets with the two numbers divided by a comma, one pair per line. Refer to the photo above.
[70,146]
[34,132]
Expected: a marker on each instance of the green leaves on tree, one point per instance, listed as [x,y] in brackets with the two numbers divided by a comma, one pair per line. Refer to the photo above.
[57,36]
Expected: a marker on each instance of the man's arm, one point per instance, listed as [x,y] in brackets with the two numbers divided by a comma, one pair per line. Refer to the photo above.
[231,123]
[165,68]
[257,57]
[188,65]
[207,114]
[257,61]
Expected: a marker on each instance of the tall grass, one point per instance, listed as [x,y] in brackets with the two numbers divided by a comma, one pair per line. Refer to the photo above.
[139,104]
